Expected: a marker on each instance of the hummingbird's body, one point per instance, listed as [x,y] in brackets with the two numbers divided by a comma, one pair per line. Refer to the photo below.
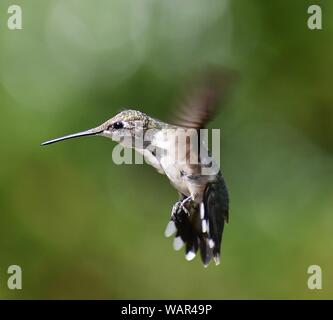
[199,215]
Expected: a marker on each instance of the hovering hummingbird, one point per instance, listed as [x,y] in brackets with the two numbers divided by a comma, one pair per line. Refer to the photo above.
[198,217]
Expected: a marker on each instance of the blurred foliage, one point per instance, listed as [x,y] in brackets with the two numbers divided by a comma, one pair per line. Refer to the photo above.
[82,227]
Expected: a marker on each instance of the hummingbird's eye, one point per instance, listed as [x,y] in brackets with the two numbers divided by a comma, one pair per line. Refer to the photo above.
[118,125]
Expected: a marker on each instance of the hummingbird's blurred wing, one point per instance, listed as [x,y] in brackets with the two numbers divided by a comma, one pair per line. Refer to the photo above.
[201,102]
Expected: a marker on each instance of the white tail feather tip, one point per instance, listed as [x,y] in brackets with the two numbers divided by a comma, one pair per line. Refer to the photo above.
[204,226]
[178,243]
[190,256]
[202,210]
[170,229]
[217,259]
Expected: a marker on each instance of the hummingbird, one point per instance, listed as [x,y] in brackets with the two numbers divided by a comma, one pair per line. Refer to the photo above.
[198,217]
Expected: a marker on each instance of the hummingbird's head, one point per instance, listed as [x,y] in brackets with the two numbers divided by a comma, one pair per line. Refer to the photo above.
[126,124]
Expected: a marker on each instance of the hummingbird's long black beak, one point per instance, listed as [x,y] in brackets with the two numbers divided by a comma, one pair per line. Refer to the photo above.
[89,132]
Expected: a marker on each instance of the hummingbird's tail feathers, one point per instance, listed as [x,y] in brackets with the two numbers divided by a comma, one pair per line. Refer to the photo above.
[192,231]
[185,234]
[200,226]
[216,201]
[206,252]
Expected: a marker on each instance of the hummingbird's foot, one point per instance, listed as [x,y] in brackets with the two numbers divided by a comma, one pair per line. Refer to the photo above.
[175,208]
[183,204]
[180,205]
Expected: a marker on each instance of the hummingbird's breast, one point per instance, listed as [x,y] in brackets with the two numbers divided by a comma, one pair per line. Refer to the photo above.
[180,162]
[176,175]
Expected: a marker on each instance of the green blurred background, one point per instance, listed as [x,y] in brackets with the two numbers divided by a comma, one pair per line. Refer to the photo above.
[82,227]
